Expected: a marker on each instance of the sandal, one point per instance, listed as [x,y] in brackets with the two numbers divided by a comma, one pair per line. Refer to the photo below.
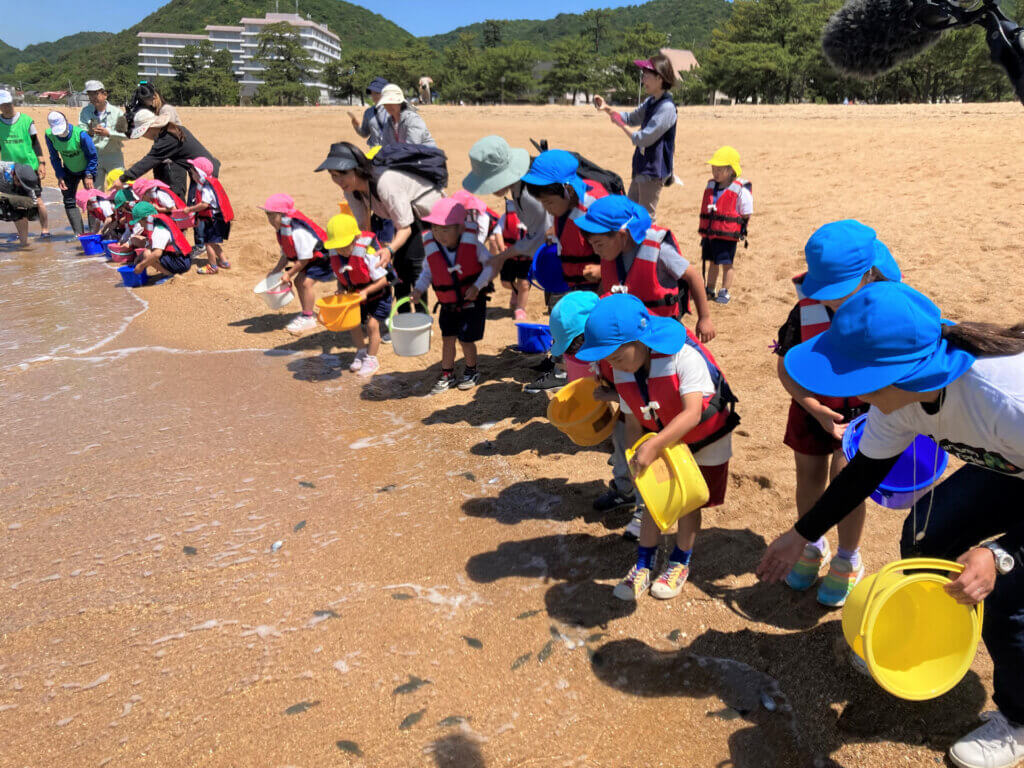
[224,265]
[206,269]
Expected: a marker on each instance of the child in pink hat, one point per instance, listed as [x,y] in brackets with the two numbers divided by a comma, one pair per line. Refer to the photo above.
[94,204]
[213,212]
[457,266]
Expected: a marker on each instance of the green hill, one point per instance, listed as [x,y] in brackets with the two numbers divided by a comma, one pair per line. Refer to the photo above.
[10,56]
[689,22]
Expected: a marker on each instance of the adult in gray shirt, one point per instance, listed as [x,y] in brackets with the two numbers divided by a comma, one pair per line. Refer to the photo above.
[404,125]
[374,118]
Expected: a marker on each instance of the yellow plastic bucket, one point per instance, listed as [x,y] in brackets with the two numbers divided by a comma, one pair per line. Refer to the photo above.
[672,486]
[916,640]
[576,413]
[339,313]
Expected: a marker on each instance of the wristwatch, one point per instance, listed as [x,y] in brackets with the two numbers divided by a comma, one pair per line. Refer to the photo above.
[1004,560]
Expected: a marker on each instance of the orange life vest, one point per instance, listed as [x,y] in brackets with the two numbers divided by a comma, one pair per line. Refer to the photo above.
[512,229]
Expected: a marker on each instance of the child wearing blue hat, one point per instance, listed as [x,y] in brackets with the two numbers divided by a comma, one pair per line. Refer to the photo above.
[842,257]
[643,260]
[670,385]
[964,386]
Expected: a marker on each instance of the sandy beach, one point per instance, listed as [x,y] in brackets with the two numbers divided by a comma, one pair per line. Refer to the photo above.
[441,592]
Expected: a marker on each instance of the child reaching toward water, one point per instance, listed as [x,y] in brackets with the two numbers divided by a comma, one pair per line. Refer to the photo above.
[167,251]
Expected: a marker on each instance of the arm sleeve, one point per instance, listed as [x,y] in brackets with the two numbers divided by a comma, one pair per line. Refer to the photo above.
[659,123]
[364,128]
[305,242]
[488,271]
[423,281]
[117,114]
[851,486]
[55,161]
[163,148]
[35,146]
[672,262]
[535,219]
[636,117]
[91,158]
[417,131]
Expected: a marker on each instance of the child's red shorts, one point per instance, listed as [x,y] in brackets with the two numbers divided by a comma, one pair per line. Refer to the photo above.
[805,435]
[717,478]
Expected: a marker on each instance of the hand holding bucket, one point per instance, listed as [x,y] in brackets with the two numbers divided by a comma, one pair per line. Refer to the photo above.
[672,486]
[410,332]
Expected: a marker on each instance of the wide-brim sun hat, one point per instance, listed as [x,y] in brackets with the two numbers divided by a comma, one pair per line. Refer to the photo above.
[622,318]
[342,230]
[495,166]
[146,119]
[556,166]
[569,317]
[279,203]
[886,334]
[142,211]
[446,212]
[203,164]
[615,213]
[838,255]
[469,201]
[391,94]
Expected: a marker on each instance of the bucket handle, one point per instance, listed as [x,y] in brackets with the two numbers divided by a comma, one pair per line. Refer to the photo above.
[400,302]
[934,563]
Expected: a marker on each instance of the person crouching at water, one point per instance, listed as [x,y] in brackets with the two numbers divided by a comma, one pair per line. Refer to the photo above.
[98,207]
[20,189]
[167,252]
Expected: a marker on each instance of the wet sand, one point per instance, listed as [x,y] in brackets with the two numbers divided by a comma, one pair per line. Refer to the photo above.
[442,591]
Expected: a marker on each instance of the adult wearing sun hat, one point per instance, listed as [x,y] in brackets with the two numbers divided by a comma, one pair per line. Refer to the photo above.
[105,125]
[963,385]
[374,118]
[74,160]
[403,125]
[173,146]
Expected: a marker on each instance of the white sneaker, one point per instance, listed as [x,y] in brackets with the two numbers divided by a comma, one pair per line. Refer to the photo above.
[996,744]
[357,363]
[370,366]
[301,324]
[632,532]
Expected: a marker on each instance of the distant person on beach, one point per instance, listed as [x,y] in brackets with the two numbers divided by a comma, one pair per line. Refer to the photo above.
[655,142]
[74,162]
[425,85]
[105,125]
[19,189]
[725,211]
[19,143]
[374,118]
[173,146]
[404,125]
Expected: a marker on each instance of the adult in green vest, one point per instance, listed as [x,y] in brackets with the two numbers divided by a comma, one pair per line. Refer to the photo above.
[19,143]
[74,162]
[105,125]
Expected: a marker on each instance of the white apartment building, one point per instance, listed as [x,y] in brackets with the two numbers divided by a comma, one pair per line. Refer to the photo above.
[322,45]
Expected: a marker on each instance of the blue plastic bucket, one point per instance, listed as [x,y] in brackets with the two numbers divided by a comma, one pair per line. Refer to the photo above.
[534,337]
[546,270]
[131,278]
[106,246]
[92,245]
[899,489]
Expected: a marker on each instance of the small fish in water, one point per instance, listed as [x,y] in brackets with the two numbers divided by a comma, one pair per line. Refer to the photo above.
[595,637]
[189,550]
[469,476]
[349,746]
[276,545]
[299,525]
[448,722]
[472,642]
[673,636]
[400,596]
[546,651]
[411,720]
[306,484]
[326,612]
[302,706]
[521,660]
[413,684]
[387,488]
[527,614]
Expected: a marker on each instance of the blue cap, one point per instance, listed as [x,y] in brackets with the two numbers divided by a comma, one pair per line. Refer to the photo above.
[568,318]
[615,213]
[376,85]
[621,318]
[556,166]
[838,254]
[886,333]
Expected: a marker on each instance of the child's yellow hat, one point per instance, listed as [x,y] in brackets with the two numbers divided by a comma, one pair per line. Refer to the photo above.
[726,156]
[113,176]
[342,229]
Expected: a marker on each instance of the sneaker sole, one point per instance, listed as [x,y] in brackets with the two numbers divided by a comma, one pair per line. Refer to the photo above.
[667,595]
[629,597]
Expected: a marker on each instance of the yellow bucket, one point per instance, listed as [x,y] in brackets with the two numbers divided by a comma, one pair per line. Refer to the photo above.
[339,313]
[576,413]
[672,486]
[916,640]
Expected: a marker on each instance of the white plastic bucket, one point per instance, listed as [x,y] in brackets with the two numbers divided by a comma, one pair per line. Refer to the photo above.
[273,293]
[410,332]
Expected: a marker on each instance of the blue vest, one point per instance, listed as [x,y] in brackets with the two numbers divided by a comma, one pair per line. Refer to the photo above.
[657,160]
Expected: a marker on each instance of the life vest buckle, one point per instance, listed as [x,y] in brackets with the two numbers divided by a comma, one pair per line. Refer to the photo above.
[650,410]
[620,289]
[455,268]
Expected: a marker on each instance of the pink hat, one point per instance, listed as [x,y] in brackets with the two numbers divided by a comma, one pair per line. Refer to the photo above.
[141,186]
[469,201]
[279,203]
[83,196]
[645,64]
[203,164]
[446,211]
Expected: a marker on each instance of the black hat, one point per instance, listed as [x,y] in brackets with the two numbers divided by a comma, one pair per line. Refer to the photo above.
[376,85]
[341,158]
[28,178]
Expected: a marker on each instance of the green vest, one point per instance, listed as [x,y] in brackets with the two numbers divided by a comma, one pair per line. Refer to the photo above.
[16,142]
[70,148]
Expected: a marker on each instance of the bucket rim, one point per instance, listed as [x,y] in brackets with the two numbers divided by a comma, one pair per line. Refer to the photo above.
[423,324]
[856,428]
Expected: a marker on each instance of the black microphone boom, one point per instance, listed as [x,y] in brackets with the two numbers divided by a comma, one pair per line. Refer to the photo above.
[866,38]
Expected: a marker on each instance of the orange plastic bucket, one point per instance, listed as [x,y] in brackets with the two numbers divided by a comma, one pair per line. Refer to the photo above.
[574,410]
[339,313]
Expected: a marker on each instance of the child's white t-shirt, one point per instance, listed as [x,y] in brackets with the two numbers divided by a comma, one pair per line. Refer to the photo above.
[981,419]
[162,198]
[372,262]
[106,208]
[305,243]
[160,239]
[208,196]
[744,203]
[694,377]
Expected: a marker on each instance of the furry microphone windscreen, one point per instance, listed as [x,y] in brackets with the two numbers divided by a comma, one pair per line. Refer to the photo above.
[868,37]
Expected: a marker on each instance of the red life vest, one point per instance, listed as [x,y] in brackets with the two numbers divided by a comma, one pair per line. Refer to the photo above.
[815,320]
[573,249]
[284,235]
[512,229]
[451,281]
[93,208]
[178,244]
[178,202]
[663,403]
[223,203]
[721,220]
[352,271]
[642,279]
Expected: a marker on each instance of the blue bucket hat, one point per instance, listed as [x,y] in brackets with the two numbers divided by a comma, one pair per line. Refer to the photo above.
[556,166]
[838,254]
[622,318]
[615,213]
[886,333]
[376,85]
[568,318]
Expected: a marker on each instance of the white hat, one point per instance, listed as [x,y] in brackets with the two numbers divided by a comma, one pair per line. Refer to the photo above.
[5,97]
[391,94]
[146,119]
[58,123]
[94,85]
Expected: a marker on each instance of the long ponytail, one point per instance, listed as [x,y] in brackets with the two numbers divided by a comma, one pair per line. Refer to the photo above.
[986,339]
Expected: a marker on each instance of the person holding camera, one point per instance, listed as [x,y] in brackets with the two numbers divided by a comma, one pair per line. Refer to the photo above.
[105,125]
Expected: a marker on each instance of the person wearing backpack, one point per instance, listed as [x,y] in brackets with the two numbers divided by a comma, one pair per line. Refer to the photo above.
[399,195]
[404,125]
[724,212]
[655,142]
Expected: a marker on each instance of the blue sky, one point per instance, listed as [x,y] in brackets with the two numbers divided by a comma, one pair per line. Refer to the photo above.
[25,23]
